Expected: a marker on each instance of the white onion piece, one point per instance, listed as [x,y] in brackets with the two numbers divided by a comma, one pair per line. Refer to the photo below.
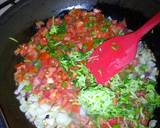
[82,111]
[152,123]
[63,119]
[18,90]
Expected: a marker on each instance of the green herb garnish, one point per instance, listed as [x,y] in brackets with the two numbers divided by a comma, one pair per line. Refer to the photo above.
[54,29]
[98,41]
[27,88]
[58,29]
[37,64]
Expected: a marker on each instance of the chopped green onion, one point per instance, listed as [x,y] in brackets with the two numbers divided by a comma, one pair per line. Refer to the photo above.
[58,29]
[53,30]
[39,46]
[62,28]
[37,64]
[64,84]
[116,126]
[28,88]
[98,40]
[90,24]
[52,43]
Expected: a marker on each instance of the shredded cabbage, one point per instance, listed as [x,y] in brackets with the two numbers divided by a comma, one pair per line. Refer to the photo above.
[97,100]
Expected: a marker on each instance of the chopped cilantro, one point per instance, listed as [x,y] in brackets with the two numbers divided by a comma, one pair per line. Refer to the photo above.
[64,84]
[27,88]
[53,43]
[98,40]
[80,81]
[37,64]
[48,36]
[116,126]
[104,29]
[53,53]
[90,24]
[93,33]
[54,29]
[62,28]
[107,23]
[39,46]
[58,29]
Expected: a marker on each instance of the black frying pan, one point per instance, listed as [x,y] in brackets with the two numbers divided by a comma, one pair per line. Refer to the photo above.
[18,23]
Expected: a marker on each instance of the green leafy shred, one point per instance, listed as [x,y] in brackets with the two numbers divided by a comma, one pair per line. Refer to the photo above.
[62,28]
[80,81]
[37,64]
[54,29]
[98,41]
[48,36]
[58,29]
[116,126]
[28,88]
[90,24]
[73,58]
[84,77]
[107,22]
[39,46]
[53,43]
[97,100]
[79,56]
[64,84]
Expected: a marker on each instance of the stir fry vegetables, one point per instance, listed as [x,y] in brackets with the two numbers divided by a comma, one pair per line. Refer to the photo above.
[131,99]
[54,72]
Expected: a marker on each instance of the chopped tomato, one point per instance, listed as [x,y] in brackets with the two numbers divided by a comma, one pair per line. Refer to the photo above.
[19,65]
[19,77]
[46,94]
[44,41]
[112,121]
[49,23]
[32,69]
[140,93]
[44,56]
[75,108]
[46,62]
[68,18]
[144,121]
[89,45]
[105,35]
[109,123]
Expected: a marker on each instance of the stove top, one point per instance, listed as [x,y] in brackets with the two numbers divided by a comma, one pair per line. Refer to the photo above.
[3,122]
[6,4]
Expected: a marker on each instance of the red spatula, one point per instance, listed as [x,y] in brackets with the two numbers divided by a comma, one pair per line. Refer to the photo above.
[114,54]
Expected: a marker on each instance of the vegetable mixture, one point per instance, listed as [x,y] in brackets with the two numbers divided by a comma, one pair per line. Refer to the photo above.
[55,88]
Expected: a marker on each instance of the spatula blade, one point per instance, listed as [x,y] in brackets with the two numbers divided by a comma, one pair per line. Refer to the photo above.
[111,57]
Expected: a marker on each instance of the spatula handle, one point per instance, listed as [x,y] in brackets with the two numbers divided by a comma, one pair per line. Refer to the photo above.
[148,26]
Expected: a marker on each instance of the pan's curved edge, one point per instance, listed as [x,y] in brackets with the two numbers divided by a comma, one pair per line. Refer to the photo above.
[12,10]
